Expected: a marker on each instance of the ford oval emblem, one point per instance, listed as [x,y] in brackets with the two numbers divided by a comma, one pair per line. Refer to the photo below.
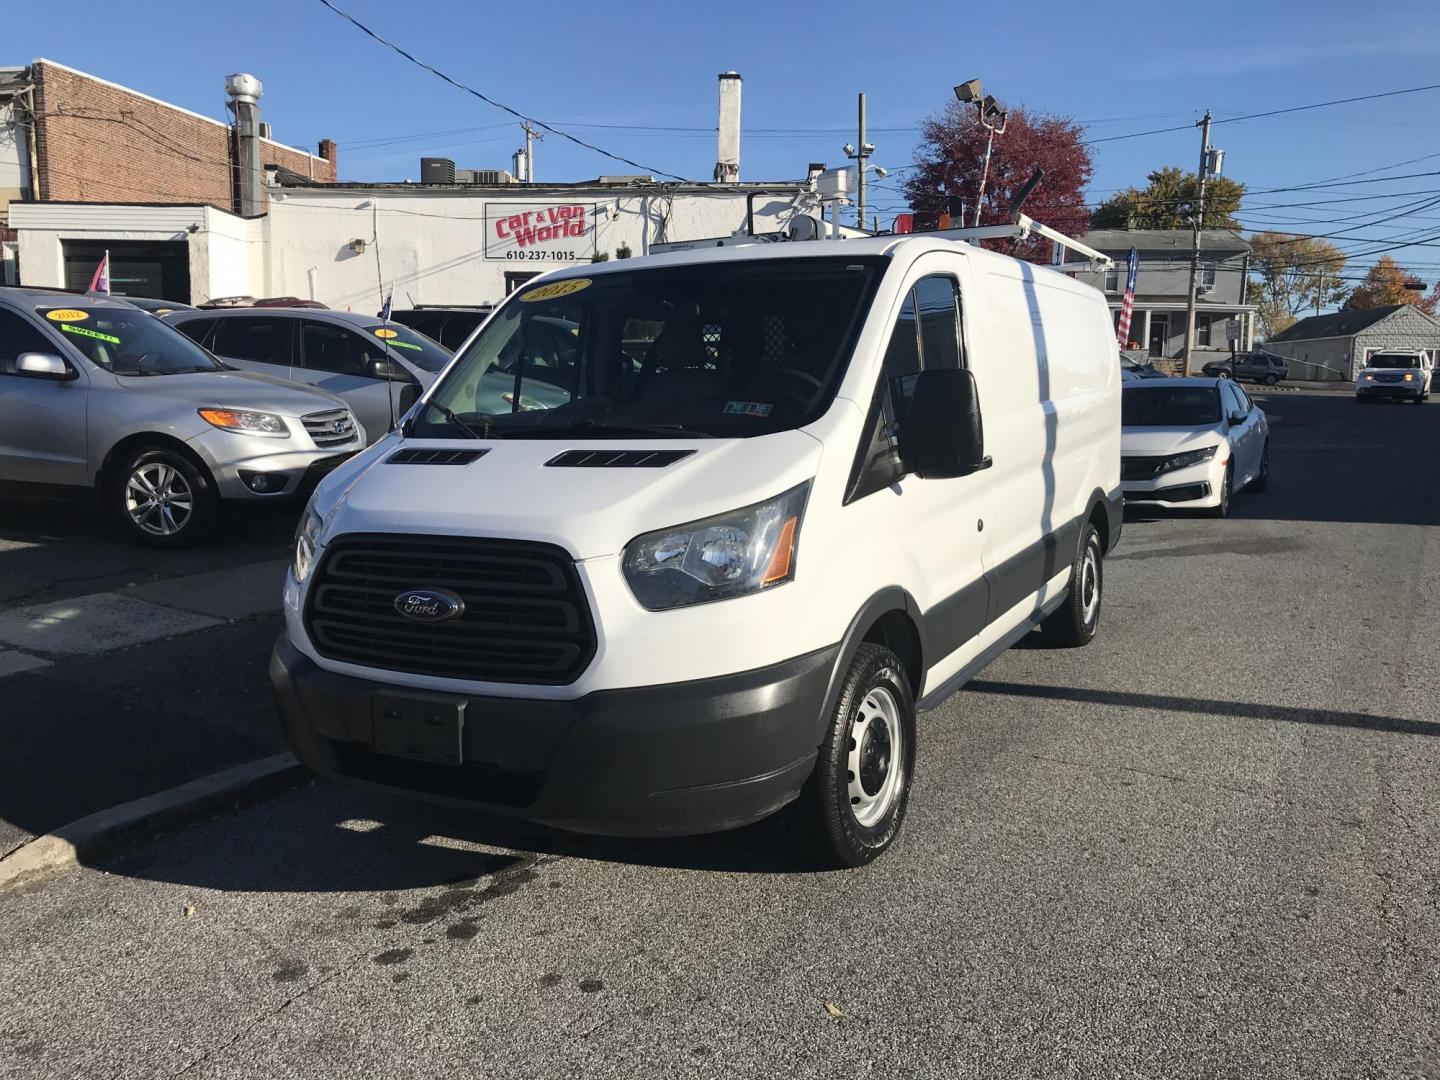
[429,605]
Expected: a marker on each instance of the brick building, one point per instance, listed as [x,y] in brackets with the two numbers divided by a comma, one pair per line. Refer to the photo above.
[71,139]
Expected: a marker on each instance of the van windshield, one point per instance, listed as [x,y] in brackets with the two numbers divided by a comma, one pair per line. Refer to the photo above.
[128,341]
[722,349]
[1177,406]
[1393,360]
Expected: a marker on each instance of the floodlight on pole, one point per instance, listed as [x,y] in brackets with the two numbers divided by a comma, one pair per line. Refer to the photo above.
[967,92]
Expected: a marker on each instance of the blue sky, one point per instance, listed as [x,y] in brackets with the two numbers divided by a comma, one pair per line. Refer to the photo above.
[617,72]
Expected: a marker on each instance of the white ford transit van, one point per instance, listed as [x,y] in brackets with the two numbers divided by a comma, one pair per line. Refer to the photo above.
[679,542]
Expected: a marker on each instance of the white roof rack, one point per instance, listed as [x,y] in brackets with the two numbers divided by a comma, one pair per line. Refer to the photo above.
[1021,228]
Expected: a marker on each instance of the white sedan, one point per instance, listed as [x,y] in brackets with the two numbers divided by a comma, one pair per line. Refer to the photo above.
[1191,443]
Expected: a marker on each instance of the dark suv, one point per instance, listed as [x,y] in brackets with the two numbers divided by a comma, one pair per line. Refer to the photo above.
[450,326]
[1258,367]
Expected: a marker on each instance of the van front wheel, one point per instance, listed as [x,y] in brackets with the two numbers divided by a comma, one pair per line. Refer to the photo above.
[851,808]
[1075,621]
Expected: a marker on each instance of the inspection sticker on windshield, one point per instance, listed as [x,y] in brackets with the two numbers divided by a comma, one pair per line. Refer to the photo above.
[385,332]
[83,332]
[404,345]
[747,408]
[66,314]
[556,288]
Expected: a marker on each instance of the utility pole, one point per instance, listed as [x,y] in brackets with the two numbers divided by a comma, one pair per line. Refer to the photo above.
[862,157]
[530,136]
[1197,224]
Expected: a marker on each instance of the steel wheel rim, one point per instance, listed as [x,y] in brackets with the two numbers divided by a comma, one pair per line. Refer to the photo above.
[158,499]
[1090,585]
[876,761]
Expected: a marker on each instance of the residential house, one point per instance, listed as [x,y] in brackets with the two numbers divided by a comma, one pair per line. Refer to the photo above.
[1224,318]
[1336,346]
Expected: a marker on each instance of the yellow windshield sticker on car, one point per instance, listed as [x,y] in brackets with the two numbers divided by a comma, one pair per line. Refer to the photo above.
[556,289]
[385,332]
[67,314]
[404,345]
[85,332]
[163,310]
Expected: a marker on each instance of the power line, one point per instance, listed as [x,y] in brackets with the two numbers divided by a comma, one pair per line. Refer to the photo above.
[498,104]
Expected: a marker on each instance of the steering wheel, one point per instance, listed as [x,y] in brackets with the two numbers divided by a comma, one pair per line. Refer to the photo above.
[799,376]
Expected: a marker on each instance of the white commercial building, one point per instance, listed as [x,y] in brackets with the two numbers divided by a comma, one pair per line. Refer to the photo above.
[346,245]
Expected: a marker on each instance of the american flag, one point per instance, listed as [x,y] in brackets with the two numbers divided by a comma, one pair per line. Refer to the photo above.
[385,307]
[1122,332]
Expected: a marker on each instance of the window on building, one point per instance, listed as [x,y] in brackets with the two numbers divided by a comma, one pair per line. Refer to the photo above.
[1202,330]
[1207,275]
[1112,280]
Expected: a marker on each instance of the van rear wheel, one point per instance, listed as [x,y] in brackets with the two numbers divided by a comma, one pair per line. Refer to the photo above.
[851,808]
[1075,621]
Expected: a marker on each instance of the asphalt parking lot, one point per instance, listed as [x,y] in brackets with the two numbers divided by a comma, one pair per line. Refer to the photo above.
[1207,845]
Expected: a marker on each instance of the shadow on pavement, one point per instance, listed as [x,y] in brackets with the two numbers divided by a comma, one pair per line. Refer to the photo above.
[327,838]
[1241,710]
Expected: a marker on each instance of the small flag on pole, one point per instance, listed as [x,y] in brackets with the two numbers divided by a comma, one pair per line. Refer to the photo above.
[1122,332]
[101,281]
[385,307]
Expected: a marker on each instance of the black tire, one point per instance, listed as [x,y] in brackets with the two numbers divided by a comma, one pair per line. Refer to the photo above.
[186,509]
[822,824]
[1073,624]
[1262,481]
[1223,374]
[1271,380]
[1227,489]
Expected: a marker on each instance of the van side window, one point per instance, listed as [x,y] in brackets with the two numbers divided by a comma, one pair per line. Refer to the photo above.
[927,335]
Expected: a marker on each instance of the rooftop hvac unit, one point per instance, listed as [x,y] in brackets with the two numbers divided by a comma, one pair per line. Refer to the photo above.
[491,176]
[264,130]
[437,170]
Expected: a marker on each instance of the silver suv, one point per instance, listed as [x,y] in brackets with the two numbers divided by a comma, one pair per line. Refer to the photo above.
[95,393]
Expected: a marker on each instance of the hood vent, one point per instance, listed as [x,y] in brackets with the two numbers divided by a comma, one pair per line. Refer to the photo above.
[435,457]
[617,459]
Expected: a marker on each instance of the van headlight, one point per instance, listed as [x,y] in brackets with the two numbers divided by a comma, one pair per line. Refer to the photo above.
[307,543]
[1190,457]
[734,554]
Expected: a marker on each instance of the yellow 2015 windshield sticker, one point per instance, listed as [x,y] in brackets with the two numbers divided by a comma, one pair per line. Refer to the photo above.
[556,289]
[86,332]
[66,314]
[385,332]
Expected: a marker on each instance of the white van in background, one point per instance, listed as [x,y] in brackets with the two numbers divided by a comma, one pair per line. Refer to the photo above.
[790,494]
[1398,374]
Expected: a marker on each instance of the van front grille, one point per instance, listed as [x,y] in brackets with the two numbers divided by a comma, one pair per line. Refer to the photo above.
[333,427]
[525,617]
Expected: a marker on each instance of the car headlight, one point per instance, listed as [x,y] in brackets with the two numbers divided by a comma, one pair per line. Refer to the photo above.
[246,422]
[1409,376]
[307,543]
[1190,457]
[1367,375]
[734,554]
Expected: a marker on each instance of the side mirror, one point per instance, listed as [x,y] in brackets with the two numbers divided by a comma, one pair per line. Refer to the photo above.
[942,435]
[382,367]
[1238,418]
[39,365]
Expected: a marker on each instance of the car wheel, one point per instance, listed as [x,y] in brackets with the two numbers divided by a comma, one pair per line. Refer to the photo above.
[1222,374]
[162,499]
[1271,380]
[1262,478]
[852,806]
[1075,621]
[1226,486]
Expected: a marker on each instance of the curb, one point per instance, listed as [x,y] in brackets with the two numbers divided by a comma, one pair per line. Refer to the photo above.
[98,832]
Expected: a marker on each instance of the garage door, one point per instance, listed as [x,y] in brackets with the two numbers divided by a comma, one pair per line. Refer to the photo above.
[159,270]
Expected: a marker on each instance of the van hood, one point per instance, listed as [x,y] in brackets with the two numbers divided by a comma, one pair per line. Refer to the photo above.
[1147,441]
[511,493]
[234,389]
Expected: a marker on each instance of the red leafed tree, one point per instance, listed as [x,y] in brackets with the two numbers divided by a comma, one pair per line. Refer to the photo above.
[951,155]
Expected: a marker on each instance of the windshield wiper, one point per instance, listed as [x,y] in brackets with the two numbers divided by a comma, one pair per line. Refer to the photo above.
[596,426]
[454,419]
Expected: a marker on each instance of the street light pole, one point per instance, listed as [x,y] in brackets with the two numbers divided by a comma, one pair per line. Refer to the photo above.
[984,171]
[1197,224]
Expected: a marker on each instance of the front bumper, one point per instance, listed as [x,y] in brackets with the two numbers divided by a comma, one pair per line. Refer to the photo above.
[1195,487]
[686,758]
[1406,391]
[283,469]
